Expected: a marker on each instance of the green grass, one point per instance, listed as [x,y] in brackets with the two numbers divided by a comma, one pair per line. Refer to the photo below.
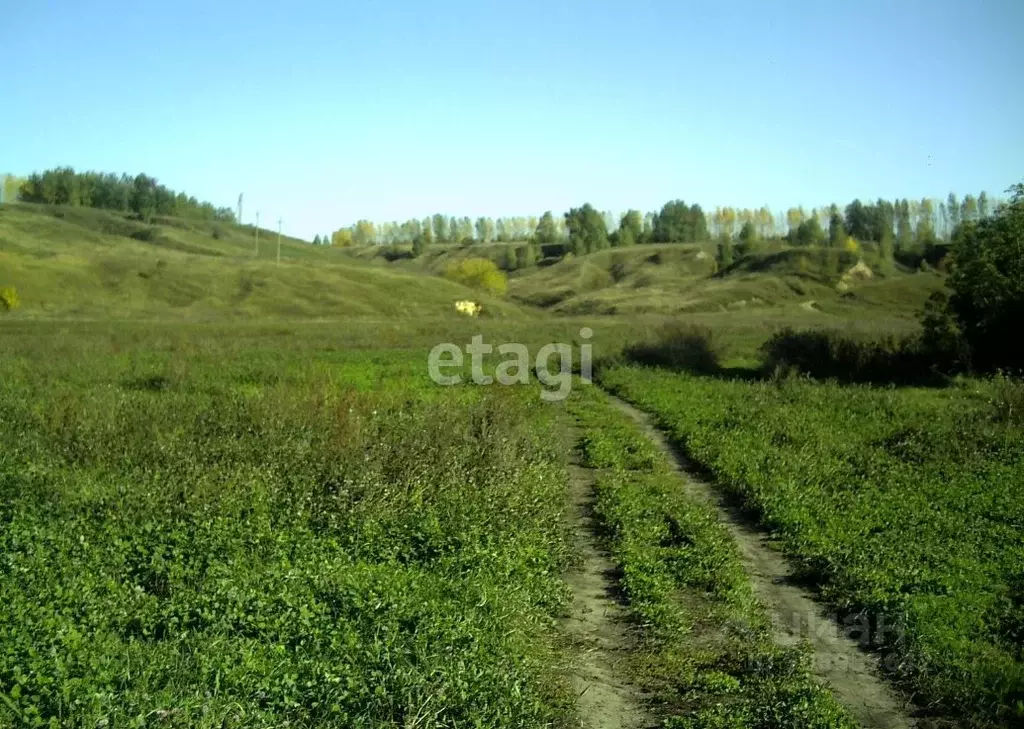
[706,655]
[799,284]
[229,495]
[266,530]
[904,503]
[85,263]
[684,279]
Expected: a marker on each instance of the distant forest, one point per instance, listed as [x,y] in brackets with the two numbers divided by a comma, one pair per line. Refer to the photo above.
[140,194]
[894,226]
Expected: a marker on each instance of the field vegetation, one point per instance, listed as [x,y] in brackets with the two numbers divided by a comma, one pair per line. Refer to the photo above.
[230,494]
[902,503]
[196,532]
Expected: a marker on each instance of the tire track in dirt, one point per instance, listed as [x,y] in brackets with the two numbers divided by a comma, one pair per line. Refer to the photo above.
[852,674]
[597,623]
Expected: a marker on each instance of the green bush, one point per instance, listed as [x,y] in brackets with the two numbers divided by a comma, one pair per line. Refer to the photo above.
[478,273]
[419,245]
[830,355]
[678,346]
[987,281]
[397,253]
[941,339]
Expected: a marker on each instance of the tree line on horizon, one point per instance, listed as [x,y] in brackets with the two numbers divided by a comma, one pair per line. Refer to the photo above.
[141,194]
[894,226]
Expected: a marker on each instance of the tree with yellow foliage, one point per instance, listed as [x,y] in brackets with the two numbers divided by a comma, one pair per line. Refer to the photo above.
[9,187]
[766,221]
[795,216]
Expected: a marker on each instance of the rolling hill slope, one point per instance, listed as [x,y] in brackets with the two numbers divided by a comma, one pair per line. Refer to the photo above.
[681,278]
[811,284]
[86,263]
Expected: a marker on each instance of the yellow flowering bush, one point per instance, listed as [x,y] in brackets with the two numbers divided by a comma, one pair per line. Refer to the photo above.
[469,308]
[9,300]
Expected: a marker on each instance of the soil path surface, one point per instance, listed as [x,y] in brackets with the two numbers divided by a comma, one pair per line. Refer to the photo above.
[852,673]
[597,623]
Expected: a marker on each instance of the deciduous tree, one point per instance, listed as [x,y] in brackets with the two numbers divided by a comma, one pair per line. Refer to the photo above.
[969,209]
[484,230]
[364,233]
[546,231]
[631,228]
[440,227]
[836,228]
[987,280]
[587,231]
[679,223]
[953,209]
[904,228]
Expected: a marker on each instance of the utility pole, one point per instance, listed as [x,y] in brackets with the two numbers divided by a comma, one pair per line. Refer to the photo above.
[279,240]
[239,208]
[257,233]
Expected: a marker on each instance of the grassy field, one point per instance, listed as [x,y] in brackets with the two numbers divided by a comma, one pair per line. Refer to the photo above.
[906,504]
[197,534]
[231,496]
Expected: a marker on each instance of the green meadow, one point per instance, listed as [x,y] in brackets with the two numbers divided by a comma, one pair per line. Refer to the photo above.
[232,496]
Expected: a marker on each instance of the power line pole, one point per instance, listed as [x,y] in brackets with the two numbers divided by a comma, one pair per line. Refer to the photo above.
[257,233]
[239,208]
[279,240]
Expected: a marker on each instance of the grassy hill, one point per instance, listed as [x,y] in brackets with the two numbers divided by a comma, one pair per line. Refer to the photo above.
[82,262]
[85,263]
[810,285]
[672,279]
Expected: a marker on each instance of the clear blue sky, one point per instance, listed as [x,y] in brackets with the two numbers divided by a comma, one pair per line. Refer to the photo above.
[326,112]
